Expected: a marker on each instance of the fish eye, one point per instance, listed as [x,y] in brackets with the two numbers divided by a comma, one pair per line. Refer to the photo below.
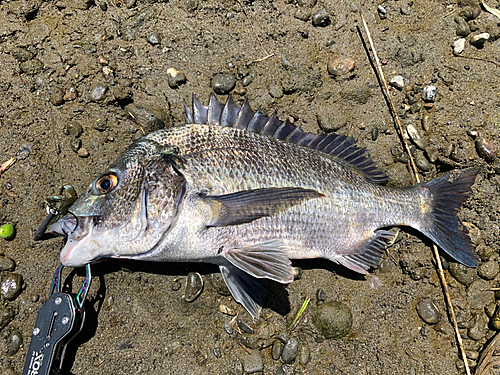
[106,183]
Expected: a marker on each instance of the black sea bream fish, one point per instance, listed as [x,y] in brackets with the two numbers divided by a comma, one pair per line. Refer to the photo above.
[248,192]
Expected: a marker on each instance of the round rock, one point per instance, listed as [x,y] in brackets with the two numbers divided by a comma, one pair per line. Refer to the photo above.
[11,285]
[458,46]
[194,286]
[333,319]
[488,270]
[276,349]
[6,264]
[428,311]
[340,66]
[175,78]
[223,83]
[429,93]
[479,294]
[14,342]
[304,355]
[31,67]
[486,149]
[290,350]
[6,315]
[321,18]
[479,40]
[83,153]
[397,82]
[154,39]
[463,274]
[98,92]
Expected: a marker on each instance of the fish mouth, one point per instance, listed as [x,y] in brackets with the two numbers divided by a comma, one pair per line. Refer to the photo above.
[75,229]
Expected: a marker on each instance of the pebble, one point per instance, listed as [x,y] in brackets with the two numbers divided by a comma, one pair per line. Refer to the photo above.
[432,153]
[421,162]
[304,355]
[416,137]
[479,294]
[6,315]
[382,12]
[248,79]
[458,46]
[229,330]
[277,349]
[6,264]
[149,118]
[495,319]
[73,129]
[175,78]
[463,28]
[486,149]
[302,14]
[21,54]
[479,40]
[340,66]
[244,327]
[56,98]
[253,363]
[226,310]
[479,327]
[11,285]
[321,18]
[176,286]
[75,144]
[488,270]
[290,350]
[275,90]
[14,342]
[333,319]
[428,311]
[122,95]
[375,134]
[397,82]
[194,286]
[31,67]
[70,94]
[223,83]
[427,122]
[154,39]
[463,274]
[83,153]
[320,295]
[98,92]
[429,93]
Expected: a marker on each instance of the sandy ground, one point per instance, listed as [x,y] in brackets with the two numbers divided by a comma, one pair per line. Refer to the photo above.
[136,321]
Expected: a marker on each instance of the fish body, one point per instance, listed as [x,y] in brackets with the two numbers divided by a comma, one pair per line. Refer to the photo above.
[249,192]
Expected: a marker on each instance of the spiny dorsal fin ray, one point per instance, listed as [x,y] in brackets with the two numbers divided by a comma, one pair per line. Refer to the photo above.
[231,115]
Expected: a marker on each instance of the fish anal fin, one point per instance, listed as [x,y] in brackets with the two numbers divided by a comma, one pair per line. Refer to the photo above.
[244,288]
[266,259]
[369,254]
[246,206]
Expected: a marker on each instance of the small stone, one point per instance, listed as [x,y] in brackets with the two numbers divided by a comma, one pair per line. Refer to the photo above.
[479,294]
[472,354]
[486,149]
[122,95]
[275,91]
[428,311]
[304,355]
[149,118]
[297,273]
[458,46]
[382,12]
[463,274]
[21,54]
[416,137]
[290,350]
[154,39]
[98,92]
[429,93]
[397,82]
[175,78]
[421,162]
[73,129]
[340,66]
[83,153]
[56,98]
[31,67]
[223,83]
[11,285]
[432,153]
[194,286]
[244,327]
[321,18]
[463,28]
[75,144]
[333,319]
[386,266]
[248,79]
[226,310]
[479,40]
[479,327]
[6,315]
[320,295]
[302,14]
[70,94]
[488,270]
[427,122]
[14,342]
[277,349]
[495,319]
[253,363]
[6,264]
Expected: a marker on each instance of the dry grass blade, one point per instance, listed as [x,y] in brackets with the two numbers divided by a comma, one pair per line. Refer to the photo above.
[486,361]
[414,169]
[7,165]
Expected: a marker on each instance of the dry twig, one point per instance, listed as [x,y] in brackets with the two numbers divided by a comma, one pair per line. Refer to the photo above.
[414,169]
[486,361]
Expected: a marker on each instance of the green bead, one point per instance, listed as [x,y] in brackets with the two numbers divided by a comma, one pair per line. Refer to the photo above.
[7,231]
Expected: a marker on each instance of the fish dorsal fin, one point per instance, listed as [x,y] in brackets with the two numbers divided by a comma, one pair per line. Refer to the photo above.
[232,115]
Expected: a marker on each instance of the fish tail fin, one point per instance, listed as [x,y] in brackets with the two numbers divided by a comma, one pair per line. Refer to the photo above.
[441,223]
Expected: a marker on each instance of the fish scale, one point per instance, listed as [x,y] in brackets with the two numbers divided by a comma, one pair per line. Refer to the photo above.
[248,193]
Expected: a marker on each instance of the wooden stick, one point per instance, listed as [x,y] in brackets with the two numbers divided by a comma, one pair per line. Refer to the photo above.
[414,169]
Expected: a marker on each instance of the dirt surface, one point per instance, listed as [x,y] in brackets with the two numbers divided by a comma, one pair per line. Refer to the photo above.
[137,322]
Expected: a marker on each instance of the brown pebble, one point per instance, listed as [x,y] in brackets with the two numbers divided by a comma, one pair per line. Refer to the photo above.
[70,94]
[340,66]
[83,153]
[486,149]
[428,105]
[56,98]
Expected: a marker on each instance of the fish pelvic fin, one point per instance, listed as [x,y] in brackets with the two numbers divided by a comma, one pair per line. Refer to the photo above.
[369,254]
[441,223]
[249,205]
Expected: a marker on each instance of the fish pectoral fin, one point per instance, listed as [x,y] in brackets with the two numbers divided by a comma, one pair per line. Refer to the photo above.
[369,254]
[263,260]
[246,206]
[244,288]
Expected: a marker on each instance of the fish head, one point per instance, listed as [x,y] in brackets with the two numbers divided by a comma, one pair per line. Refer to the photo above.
[125,210]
